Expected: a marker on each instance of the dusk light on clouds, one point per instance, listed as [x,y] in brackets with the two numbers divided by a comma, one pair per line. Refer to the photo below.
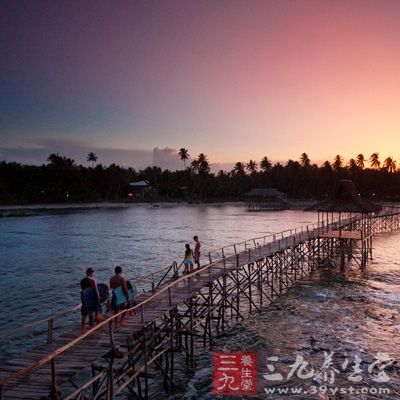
[233,79]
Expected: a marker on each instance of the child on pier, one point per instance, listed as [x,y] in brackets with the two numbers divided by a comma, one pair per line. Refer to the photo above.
[188,259]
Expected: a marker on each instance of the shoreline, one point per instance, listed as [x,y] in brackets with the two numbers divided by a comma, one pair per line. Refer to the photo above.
[30,210]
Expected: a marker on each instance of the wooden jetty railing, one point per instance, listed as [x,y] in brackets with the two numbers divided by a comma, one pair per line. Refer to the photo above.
[241,278]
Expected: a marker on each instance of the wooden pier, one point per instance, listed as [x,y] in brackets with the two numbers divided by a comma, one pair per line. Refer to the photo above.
[178,313]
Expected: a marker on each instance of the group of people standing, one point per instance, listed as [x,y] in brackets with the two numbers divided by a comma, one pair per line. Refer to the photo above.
[192,257]
[93,295]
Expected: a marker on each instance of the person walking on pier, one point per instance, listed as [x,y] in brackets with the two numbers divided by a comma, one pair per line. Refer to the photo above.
[90,300]
[197,251]
[188,259]
[120,294]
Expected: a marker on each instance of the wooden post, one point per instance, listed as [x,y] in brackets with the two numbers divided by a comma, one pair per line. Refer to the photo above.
[110,383]
[111,333]
[249,279]
[167,371]
[95,384]
[50,331]
[172,312]
[223,300]
[259,281]
[272,279]
[146,377]
[54,395]
[142,314]
[237,294]
[224,266]
[191,332]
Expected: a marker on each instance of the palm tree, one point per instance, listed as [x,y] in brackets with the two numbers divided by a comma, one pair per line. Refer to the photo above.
[352,165]
[204,165]
[360,161]
[61,178]
[60,161]
[53,158]
[327,166]
[265,164]
[337,162]
[238,169]
[221,173]
[195,165]
[389,164]
[183,155]
[305,160]
[374,160]
[251,166]
[91,157]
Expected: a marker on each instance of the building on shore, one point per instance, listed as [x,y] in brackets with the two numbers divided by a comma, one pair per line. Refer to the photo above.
[263,199]
[140,189]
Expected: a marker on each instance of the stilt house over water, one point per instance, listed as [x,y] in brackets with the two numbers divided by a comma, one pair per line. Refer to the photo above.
[264,199]
[348,217]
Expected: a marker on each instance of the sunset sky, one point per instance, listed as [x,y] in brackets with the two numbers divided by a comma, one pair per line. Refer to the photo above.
[233,79]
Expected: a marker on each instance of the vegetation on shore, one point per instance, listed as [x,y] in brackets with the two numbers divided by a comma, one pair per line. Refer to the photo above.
[62,180]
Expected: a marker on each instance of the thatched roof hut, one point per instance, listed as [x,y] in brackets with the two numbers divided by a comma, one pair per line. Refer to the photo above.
[346,200]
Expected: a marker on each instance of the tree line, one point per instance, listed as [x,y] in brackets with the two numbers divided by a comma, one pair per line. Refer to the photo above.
[62,180]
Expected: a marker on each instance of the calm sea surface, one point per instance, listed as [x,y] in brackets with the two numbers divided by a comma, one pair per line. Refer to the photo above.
[43,258]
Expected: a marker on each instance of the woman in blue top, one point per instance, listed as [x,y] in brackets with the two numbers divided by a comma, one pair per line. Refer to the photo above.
[188,259]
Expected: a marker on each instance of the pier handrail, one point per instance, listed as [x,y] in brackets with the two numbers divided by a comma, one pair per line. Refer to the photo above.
[31,325]
[254,243]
